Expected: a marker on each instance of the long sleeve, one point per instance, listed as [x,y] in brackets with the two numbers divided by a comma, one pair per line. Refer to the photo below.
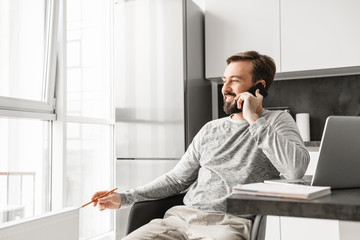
[281,142]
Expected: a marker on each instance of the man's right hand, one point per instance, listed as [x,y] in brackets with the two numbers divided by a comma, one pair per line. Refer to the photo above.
[111,201]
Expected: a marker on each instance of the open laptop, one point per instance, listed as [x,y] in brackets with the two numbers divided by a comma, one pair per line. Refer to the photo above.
[339,155]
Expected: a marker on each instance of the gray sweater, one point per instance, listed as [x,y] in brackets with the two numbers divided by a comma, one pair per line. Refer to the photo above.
[226,152]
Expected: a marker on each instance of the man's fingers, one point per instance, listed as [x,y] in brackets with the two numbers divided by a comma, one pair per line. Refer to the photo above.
[104,205]
[110,201]
[101,207]
[97,194]
[106,199]
[239,103]
[257,94]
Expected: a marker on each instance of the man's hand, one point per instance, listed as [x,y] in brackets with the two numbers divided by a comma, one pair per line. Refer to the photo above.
[111,201]
[251,104]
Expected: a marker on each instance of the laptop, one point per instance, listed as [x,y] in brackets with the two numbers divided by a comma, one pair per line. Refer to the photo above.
[339,156]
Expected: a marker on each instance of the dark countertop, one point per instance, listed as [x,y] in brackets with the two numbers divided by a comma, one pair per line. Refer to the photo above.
[312,145]
[340,205]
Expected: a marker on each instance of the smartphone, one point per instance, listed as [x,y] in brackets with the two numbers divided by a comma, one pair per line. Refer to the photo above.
[261,88]
[252,90]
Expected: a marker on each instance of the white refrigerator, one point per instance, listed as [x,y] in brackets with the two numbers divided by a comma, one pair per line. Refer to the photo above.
[161,96]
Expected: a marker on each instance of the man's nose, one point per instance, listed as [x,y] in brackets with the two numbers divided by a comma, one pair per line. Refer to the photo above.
[226,86]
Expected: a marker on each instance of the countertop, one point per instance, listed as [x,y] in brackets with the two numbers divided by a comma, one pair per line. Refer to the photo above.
[340,204]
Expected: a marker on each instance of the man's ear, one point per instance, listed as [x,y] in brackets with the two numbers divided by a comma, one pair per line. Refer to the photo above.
[262,82]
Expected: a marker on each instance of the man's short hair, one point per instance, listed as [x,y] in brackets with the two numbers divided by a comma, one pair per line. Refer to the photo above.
[263,67]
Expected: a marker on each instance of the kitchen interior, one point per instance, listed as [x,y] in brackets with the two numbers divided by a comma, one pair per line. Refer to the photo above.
[317,56]
[168,59]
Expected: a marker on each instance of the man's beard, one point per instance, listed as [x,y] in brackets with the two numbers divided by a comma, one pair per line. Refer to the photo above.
[231,108]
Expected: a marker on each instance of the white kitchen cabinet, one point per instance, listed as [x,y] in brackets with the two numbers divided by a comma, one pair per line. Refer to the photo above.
[272,228]
[314,229]
[293,228]
[319,34]
[233,26]
[299,35]
[349,230]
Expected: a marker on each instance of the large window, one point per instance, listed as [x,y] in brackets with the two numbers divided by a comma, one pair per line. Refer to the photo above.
[56,154]
[27,79]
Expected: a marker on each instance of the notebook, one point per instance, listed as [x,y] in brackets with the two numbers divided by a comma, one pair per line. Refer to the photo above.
[339,156]
[281,190]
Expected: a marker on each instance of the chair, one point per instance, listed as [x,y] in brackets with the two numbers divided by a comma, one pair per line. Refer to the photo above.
[143,212]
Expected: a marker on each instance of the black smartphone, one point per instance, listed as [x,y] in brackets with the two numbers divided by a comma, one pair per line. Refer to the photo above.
[252,90]
[261,88]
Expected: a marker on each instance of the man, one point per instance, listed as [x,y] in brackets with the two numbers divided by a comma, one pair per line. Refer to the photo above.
[251,145]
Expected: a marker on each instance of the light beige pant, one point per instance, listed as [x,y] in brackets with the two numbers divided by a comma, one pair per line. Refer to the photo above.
[181,222]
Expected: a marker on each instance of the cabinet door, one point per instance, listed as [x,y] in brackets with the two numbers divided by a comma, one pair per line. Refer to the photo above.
[319,34]
[272,228]
[233,26]
[309,228]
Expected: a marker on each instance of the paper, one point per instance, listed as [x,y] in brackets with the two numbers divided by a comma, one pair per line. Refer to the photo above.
[282,190]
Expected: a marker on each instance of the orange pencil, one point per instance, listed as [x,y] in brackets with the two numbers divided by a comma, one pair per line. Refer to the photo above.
[105,194]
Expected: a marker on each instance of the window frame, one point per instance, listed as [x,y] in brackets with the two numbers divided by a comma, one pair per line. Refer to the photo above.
[45,109]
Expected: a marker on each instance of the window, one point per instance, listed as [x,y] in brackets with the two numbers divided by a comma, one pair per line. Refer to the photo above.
[22,47]
[27,61]
[50,161]
[27,79]
[24,165]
